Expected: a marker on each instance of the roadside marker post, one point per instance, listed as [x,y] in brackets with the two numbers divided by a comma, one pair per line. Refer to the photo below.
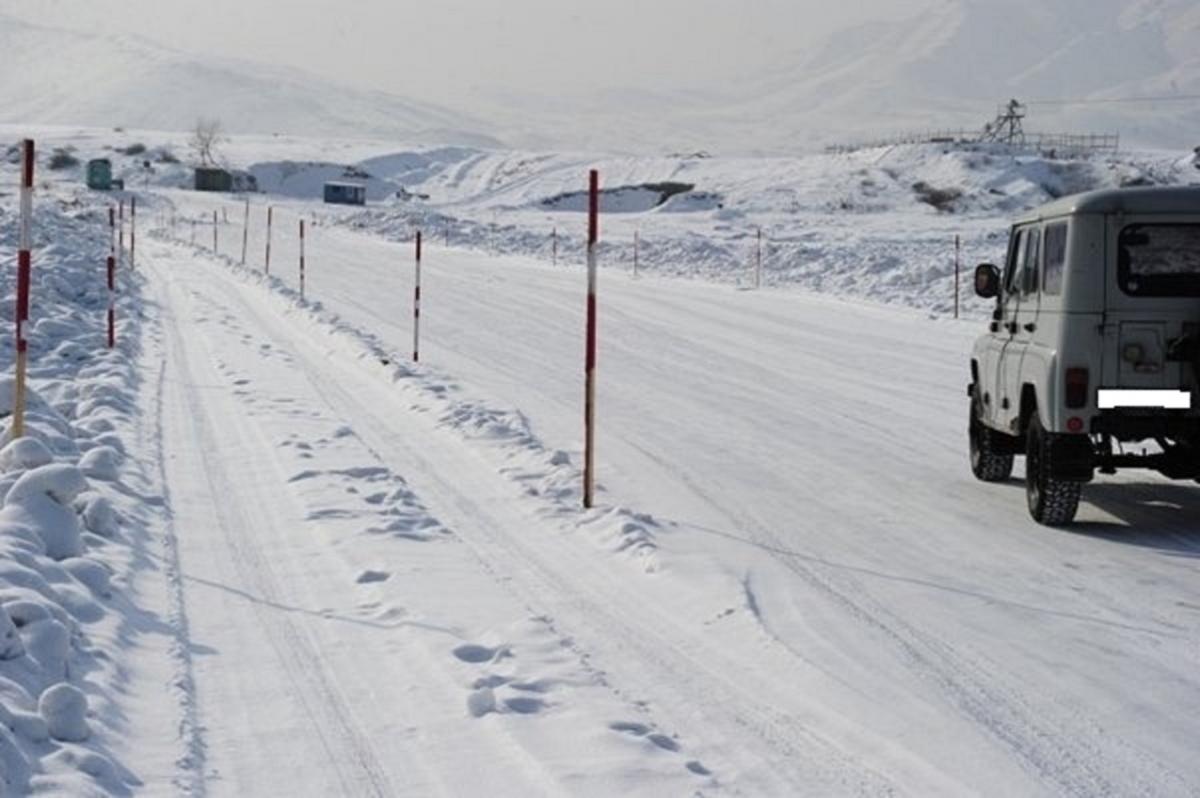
[270,215]
[302,259]
[554,246]
[112,298]
[758,260]
[957,269]
[121,231]
[636,241]
[214,231]
[132,232]
[246,231]
[417,305]
[112,230]
[589,409]
[24,276]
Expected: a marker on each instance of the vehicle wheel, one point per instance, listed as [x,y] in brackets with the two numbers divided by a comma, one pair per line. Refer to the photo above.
[1052,502]
[987,464]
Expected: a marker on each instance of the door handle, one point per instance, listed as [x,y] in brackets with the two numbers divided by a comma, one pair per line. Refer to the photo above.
[1030,327]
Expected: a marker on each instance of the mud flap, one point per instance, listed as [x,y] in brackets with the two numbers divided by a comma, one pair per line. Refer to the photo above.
[1070,458]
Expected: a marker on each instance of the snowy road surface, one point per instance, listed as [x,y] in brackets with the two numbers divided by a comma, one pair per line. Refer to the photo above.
[796,588]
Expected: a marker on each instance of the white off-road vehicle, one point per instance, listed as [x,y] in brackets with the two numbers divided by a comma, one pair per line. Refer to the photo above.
[1092,361]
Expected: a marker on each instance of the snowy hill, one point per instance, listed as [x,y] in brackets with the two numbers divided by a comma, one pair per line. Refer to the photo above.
[952,64]
[948,67]
[99,81]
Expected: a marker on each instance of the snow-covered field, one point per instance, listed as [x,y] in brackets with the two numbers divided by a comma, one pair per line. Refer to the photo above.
[878,224]
[331,572]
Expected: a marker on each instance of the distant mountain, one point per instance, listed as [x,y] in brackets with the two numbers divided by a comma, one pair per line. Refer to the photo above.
[953,64]
[54,76]
[948,67]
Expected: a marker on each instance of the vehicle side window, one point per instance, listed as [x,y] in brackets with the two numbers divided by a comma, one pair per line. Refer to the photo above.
[1055,247]
[1016,259]
[1033,252]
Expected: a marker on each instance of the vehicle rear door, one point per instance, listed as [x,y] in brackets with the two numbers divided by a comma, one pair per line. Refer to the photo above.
[1153,303]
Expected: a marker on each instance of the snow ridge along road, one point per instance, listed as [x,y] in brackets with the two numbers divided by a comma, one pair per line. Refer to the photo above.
[822,603]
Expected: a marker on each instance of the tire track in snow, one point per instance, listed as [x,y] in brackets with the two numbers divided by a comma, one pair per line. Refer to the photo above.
[1062,756]
[348,751]
[190,776]
[680,662]
[1074,763]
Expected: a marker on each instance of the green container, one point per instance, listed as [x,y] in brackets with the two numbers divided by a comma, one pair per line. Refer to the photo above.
[209,179]
[99,174]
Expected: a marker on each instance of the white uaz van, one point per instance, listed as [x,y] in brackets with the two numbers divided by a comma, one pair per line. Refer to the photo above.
[1094,346]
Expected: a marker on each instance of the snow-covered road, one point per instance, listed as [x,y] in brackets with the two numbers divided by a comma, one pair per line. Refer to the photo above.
[388,593]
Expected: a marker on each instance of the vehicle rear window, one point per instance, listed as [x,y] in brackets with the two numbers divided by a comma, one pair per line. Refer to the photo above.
[1159,260]
[1056,257]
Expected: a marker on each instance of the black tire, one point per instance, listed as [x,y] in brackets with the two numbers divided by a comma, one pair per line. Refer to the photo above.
[987,463]
[1052,502]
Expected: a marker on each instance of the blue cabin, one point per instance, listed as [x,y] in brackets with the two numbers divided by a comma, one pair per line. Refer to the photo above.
[345,194]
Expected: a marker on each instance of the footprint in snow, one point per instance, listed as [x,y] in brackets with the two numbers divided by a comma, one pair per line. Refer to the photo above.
[477,654]
[371,577]
[658,740]
[635,729]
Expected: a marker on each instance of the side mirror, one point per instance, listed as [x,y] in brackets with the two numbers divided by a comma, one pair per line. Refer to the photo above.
[987,281]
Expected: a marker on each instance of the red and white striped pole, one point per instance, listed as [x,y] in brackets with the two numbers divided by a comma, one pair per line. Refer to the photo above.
[24,276]
[302,259]
[214,231]
[246,231]
[417,305]
[589,407]
[957,269]
[132,232]
[270,215]
[112,297]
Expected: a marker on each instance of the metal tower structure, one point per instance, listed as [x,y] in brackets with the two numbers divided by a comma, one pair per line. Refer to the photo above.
[1008,126]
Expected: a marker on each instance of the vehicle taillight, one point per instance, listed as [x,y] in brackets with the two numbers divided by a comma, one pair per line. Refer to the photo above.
[1077,387]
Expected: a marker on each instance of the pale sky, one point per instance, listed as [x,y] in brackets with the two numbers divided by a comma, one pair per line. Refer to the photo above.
[448,50]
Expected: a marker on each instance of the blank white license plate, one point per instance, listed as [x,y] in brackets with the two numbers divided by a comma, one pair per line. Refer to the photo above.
[1167,400]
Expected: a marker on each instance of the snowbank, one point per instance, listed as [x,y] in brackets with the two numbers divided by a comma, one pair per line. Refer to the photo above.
[62,540]
[877,224]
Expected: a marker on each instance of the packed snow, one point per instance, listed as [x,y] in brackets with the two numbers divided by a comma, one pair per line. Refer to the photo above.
[255,550]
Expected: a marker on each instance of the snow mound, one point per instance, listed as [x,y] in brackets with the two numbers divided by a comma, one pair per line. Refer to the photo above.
[56,567]
[102,462]
[307,180]
[10,642]
[24,453]
[64,708]
[622,199]
[42,500]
